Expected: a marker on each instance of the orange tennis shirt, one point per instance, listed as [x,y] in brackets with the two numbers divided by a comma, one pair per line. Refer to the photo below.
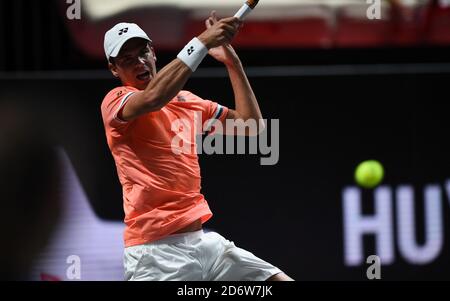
[157,163]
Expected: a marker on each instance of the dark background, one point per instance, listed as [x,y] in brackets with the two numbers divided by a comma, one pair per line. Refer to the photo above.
[289,213]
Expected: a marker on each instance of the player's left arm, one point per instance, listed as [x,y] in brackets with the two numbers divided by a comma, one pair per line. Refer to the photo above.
[246,105]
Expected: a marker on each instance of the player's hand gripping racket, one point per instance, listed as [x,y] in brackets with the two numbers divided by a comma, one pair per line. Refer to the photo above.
[246,8]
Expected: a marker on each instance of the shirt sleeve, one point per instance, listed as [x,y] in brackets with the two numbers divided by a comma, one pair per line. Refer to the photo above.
[218,112]
[211,112]
[113,104]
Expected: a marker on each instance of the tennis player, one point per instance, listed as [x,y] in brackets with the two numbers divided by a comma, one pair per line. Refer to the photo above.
[164,209]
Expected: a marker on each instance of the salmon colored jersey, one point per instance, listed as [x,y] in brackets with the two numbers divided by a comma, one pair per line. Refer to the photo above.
[160,182]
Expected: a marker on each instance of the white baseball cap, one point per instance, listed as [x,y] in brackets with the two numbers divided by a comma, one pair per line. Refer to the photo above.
[119,34]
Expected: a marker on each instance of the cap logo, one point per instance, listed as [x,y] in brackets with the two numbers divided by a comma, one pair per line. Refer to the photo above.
[190,50]
[123,30]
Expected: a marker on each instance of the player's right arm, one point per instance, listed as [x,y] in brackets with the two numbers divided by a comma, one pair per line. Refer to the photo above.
[161,89]
[171,79]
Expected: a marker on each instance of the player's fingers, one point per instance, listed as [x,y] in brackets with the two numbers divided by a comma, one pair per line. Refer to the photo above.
[209,22]
[231,26]
[239,24]
[228,35]
[214,16]
[231,29]
[234,22]
[230,20]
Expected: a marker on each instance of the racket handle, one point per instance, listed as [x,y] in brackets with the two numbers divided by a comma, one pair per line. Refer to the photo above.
[246,8]
[243,12]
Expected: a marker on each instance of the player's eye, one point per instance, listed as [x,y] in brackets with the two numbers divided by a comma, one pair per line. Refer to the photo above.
[127,60]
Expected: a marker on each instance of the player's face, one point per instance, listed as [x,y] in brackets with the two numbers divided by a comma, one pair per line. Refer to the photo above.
[135,64]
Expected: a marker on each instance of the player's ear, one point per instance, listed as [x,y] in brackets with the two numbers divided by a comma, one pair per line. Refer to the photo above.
[153,53]
[113,68]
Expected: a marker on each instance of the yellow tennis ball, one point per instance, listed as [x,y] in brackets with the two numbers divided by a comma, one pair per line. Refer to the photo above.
[369,174]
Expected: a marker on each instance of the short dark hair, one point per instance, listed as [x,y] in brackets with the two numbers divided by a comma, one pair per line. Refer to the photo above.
[112,60]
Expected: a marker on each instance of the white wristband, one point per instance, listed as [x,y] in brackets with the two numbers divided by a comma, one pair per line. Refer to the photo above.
[193,54]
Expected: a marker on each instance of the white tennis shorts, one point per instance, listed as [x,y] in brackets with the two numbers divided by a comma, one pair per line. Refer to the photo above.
[194,256]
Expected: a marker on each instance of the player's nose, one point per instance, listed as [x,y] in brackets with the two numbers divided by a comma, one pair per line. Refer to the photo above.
[141,60]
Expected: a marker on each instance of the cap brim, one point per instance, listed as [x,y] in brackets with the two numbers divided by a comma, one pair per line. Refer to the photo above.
[117,48]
